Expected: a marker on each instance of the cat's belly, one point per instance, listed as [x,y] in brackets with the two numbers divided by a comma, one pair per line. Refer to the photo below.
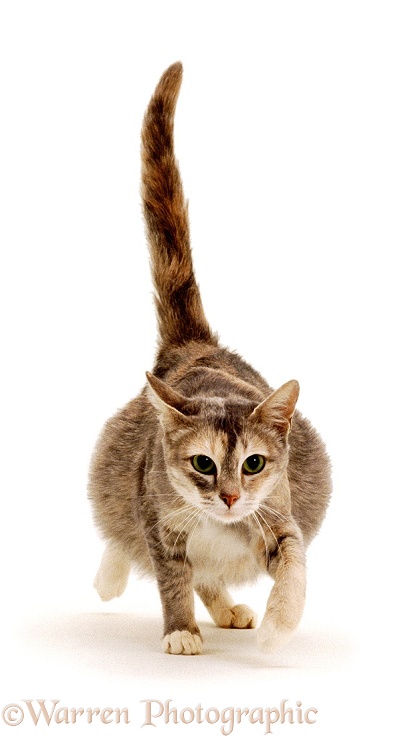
[219,551]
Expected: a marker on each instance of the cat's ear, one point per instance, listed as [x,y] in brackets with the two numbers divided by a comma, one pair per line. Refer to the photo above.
[278,408]
[165,399]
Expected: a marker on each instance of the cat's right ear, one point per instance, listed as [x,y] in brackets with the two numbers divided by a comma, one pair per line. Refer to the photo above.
[167,402]
[278,408]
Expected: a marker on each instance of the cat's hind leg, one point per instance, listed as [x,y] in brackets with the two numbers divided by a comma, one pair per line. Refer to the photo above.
[222,609]
[112,576]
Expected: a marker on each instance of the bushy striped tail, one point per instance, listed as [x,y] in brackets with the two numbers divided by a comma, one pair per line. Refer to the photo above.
[178,302]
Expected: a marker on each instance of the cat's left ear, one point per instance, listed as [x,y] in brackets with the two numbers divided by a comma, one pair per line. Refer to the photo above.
[165,399]
[278,408]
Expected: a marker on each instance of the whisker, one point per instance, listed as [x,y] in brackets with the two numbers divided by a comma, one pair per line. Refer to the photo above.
[265,521]
[200,513]
[189,518]
[263,536]
[271,511]
[172,514]
[162,540]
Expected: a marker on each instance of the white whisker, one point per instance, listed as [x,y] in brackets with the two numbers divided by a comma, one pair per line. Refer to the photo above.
[272,512]
[189,519]
[197,518]
[265,521]
[253,514]
[172,514]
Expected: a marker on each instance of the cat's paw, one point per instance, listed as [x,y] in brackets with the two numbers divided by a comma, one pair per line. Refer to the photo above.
[182,642]
[111,582]
[271,638]
[237,616]
[112,576]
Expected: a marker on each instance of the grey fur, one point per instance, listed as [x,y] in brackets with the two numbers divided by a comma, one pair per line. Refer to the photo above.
[157,512]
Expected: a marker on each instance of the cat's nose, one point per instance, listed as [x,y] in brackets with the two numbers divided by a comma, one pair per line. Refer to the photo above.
[229,498]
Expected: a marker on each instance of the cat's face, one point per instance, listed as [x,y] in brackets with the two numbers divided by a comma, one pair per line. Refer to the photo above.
[226,472]
[225,457]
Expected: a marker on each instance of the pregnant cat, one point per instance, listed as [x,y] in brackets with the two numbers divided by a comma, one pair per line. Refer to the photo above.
[210,477]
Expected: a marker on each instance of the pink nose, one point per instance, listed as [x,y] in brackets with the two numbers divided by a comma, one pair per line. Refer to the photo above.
[229,499]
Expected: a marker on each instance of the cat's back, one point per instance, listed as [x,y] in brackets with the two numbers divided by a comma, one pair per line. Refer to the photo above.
[309,473]
[206,370]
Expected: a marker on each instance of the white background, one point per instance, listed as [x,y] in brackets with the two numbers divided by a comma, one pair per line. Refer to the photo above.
[295,132]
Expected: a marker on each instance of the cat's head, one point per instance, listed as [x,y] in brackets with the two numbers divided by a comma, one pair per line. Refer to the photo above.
[224,456]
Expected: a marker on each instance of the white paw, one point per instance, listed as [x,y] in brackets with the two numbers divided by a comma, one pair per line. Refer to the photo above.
[182,641]
[237,616]
[111,581]
[243,617]
[271,638]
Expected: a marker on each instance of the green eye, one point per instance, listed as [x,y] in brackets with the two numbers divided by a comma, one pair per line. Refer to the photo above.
[203,464]
[253,464]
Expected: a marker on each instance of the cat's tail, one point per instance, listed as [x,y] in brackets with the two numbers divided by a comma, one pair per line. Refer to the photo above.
[179,308]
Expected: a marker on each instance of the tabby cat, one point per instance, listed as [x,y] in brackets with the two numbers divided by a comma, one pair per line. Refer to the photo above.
[209,477]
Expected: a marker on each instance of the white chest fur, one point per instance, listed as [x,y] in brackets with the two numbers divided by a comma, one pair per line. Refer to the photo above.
[218,551]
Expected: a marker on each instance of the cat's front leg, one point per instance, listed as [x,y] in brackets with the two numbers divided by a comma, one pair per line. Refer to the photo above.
[175,583]
[286,601]
[181,633]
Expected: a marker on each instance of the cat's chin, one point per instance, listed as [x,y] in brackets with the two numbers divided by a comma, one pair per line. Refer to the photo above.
[229,517]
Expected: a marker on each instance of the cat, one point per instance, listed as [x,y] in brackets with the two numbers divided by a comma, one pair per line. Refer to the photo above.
[209,477]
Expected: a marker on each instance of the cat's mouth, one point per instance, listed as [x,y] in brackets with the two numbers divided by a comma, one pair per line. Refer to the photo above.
[230,515]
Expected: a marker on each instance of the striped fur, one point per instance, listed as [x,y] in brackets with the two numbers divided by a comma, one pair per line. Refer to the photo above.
[159,514]
[178,302]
